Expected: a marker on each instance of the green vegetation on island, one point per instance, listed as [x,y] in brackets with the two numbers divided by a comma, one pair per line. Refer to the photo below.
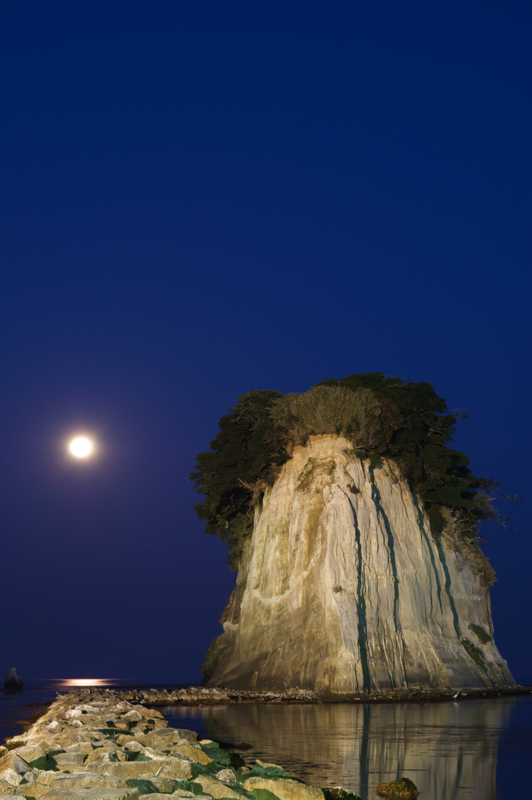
[381,417]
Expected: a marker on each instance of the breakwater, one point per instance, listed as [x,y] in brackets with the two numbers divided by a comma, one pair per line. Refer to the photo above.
[111,745]
[199,695]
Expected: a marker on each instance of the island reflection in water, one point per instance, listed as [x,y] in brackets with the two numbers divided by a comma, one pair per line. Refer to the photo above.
[448,749]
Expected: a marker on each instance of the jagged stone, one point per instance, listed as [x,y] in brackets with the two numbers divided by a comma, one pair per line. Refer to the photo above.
[176,768]
[285,788]
[124,739]
[195,753]
[10,776]
[85,780]
[226,775]
[133,714]
[162,736]
[69,759]
[12,760]
[217,789]
[80,747]
[31,753]
[343,570]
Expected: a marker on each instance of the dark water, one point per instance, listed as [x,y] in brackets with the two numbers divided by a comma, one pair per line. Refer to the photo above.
[17,707]
[14,708]
[464,750]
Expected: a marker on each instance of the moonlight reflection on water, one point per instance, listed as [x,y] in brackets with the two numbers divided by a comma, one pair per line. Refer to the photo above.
[78,683]
[449,750]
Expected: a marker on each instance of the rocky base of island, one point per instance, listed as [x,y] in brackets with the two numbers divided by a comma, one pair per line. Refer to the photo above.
[199,695]
[108,745]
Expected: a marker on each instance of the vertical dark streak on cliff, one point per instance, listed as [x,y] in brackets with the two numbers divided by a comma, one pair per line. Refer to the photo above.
[376,497]
[361,607]
[448,585]
[429,546]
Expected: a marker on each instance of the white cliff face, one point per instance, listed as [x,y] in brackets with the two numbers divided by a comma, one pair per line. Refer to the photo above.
[343,587]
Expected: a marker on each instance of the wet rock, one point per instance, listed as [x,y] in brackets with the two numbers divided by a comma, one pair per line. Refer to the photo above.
[401,789]
[338,793]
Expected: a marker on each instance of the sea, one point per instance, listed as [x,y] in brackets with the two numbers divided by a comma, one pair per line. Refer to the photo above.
[466,749]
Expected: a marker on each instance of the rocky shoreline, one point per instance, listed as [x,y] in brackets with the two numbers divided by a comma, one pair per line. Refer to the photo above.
[111,745]
[94,744]
[199,695]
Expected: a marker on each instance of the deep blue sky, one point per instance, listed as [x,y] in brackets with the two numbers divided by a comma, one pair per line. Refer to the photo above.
[202,198]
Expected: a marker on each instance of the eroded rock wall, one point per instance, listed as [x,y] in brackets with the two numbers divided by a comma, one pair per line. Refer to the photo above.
[344,587]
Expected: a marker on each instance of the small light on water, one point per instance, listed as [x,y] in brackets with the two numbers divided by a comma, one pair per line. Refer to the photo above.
[71,682]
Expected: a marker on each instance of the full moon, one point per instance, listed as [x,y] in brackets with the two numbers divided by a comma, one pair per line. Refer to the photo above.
[80,447]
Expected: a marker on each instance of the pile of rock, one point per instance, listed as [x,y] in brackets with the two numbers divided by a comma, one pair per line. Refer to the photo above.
[94,745]
[198,695]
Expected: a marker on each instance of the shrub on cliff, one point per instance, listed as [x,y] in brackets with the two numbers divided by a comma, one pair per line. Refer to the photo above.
[381,416]
[328,409]
[242,461]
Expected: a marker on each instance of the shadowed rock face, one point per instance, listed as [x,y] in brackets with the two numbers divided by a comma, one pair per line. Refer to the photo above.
[13,681]
[344,587]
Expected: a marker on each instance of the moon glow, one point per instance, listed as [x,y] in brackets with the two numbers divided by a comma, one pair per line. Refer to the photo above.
[80,447]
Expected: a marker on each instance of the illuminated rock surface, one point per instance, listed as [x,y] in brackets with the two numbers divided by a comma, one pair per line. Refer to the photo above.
[60,758]
[343,587]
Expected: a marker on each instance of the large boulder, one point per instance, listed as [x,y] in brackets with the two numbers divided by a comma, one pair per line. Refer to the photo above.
[13,681]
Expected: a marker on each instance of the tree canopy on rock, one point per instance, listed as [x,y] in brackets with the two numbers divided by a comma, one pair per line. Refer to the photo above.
[381,416]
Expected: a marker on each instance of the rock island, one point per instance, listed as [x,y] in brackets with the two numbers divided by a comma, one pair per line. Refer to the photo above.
[354,529]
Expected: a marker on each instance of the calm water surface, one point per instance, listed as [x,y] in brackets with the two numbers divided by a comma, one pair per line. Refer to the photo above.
[464,750]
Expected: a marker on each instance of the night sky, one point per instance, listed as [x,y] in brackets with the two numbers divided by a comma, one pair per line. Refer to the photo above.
[203,198]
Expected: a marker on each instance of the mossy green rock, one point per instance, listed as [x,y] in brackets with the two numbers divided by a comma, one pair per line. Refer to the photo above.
[401,789]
